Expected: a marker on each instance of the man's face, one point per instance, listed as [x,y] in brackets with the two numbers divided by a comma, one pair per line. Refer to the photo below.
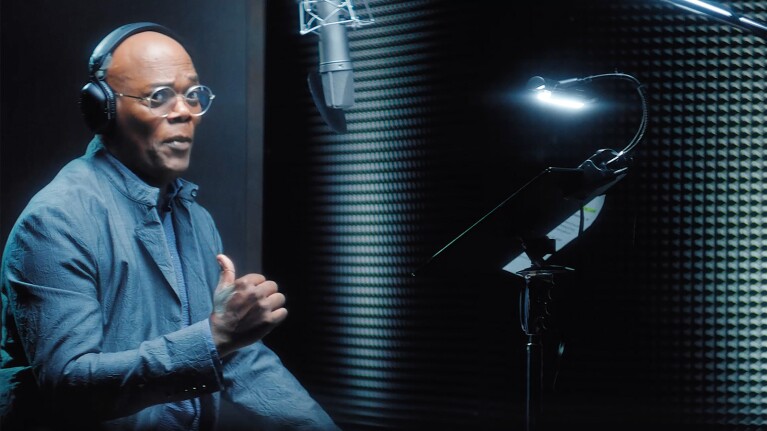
[156,148]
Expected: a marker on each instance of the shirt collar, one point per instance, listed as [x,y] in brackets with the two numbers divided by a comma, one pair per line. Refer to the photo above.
[174,189]
[129,184]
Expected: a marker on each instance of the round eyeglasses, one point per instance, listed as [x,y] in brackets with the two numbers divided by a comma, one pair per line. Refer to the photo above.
[161,101]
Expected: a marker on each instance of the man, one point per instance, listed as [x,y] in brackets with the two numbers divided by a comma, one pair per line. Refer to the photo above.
[119,309]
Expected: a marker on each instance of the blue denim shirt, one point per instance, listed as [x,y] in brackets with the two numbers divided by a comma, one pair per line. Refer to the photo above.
[92,315]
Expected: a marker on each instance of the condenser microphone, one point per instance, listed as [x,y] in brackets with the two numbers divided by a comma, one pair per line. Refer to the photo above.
[332,86]
[335,62]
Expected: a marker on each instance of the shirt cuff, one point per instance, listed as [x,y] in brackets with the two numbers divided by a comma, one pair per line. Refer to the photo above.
[213,350]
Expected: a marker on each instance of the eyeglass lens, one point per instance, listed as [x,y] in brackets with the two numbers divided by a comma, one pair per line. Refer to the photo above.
[198,99]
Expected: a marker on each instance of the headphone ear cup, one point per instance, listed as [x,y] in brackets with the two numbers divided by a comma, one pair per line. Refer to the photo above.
[98,102]
[98,106]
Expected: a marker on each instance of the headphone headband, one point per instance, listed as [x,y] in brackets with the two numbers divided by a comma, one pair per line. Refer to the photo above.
[111,41]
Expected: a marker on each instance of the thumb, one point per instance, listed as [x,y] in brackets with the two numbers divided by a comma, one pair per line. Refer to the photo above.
[227,271]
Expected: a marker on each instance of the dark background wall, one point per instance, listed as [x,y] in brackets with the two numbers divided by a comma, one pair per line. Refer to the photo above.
[662,321]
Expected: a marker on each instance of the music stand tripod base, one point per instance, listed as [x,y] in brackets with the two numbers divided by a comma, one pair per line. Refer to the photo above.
[534,311]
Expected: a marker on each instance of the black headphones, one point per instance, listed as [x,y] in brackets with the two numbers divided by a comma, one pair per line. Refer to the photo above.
[97,99]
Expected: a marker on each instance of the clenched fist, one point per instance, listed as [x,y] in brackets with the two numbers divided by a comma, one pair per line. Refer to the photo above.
[245,309]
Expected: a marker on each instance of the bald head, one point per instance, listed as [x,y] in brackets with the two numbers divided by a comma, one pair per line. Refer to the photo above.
[143,51]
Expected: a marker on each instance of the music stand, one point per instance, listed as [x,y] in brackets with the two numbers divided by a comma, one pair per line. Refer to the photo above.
[520,224]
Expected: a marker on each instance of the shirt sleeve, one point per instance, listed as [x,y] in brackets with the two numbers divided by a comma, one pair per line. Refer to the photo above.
[269,395]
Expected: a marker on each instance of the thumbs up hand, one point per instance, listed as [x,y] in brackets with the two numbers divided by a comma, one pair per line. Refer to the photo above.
[245,309]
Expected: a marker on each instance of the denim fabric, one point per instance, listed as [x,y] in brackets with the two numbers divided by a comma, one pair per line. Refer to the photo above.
[91,307]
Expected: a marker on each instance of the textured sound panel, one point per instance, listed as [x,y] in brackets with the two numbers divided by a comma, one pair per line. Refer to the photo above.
[382,364]
[664,318]
[700,216]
